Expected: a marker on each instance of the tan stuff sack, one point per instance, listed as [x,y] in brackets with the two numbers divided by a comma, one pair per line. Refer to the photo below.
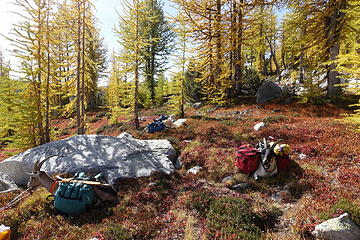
[4,232]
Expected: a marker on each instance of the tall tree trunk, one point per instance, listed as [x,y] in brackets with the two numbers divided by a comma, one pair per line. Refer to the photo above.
[238,57]
[211,57]
[39,81]
[283,52]
[78,69]
[82,127]
[47,112]
[1,65]
[277,65]
[273,56]
[232,47]
[301,66]
[152,80]
[333,26]
[262,63]
[302,56]
[218,38]
[137,53]
[182,112]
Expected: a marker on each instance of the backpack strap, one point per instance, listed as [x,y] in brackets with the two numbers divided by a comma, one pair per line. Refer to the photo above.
[267,166]
[53,186]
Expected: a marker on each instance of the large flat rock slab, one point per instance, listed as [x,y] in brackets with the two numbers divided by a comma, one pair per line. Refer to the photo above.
[115,157]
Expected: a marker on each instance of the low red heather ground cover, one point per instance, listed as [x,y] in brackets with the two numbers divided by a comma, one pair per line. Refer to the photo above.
[324,171]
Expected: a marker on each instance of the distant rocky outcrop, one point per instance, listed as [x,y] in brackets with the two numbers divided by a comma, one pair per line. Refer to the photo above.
[267,92]
[115,157]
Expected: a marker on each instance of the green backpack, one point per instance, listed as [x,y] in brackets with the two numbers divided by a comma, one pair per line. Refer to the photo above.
[74,198]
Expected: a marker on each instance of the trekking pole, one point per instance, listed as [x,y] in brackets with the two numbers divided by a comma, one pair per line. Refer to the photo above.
[20,197]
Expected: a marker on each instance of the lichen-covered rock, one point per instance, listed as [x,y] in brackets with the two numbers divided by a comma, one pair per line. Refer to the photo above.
[115,157]
[6,183]
[340,228]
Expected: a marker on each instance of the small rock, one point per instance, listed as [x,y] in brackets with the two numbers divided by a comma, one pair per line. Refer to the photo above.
[340,228]
[178,163]
[282,196]
[194,170]
[227,179]
[202,181]
[241,187]
[285,73]
[180,122]
[323,85]
[212,109]
[197,105]
[259,125]
[245,92]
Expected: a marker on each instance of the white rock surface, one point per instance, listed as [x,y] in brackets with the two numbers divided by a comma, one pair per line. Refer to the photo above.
[6,183]
[340,228]
[115,157]
[194,170]
[259,125]
[180,122]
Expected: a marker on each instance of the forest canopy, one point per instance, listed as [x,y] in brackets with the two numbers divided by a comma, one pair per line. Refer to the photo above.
[218,51]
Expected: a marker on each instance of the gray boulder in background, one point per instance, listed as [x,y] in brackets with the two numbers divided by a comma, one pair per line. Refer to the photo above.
[340,228]
[267,92]
[115,157]
[6,183]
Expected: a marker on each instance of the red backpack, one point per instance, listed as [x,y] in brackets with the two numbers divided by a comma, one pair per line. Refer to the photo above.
[247,158]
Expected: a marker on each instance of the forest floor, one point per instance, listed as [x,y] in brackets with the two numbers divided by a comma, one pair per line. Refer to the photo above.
[322,182]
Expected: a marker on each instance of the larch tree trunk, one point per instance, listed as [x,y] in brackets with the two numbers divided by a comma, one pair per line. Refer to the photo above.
[78,69]
[38,89]
[82,103]
[333,27]
[47,90]
[238,56]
